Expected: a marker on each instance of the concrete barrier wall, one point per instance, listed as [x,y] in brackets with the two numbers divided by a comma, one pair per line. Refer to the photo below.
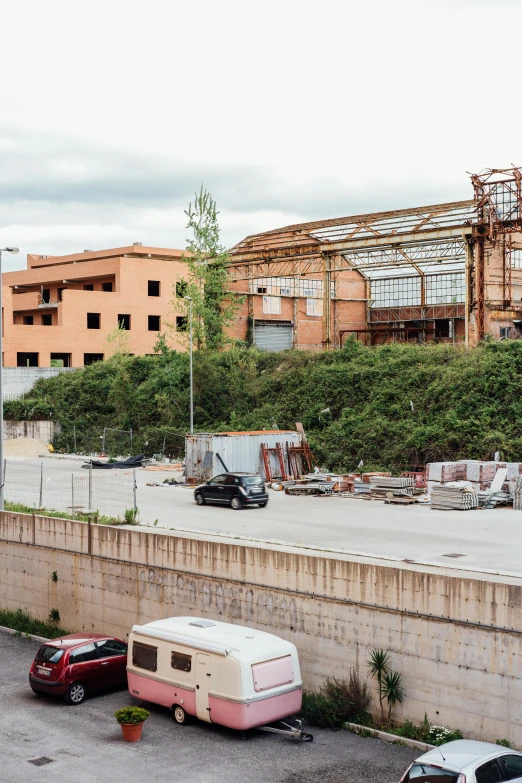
[456,637]
[43,429]
[18,381]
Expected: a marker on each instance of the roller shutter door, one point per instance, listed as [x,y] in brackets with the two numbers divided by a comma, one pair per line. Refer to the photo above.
[273,336]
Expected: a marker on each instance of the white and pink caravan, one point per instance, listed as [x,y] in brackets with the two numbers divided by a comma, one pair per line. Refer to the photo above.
[218,672]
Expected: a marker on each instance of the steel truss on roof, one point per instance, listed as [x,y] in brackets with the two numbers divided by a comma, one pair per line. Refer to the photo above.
[383,241]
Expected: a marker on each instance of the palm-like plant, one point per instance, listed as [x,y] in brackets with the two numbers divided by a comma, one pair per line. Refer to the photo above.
[379,665]
[392,689]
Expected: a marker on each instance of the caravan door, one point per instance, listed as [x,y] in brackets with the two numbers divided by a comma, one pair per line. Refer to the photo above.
[202,686]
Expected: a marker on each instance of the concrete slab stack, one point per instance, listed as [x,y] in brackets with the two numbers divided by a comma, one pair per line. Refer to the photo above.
[445,497]
[517,494]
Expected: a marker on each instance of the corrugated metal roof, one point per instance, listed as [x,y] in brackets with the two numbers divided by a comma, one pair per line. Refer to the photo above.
[243,432]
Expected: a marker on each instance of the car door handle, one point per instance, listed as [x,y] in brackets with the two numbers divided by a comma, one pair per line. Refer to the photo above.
[105,663]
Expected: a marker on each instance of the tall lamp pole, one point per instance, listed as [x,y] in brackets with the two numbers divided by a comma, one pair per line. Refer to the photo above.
[189,299]
[2,478]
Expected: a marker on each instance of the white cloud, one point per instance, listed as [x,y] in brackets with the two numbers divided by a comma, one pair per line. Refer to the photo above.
[115,112]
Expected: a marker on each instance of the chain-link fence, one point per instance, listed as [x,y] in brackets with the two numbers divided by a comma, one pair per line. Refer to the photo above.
[49,486]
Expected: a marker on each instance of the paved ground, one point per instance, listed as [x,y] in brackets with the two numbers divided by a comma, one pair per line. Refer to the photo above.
[86,746]
[489,540]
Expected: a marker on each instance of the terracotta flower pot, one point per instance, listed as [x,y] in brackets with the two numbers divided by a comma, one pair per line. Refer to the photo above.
[131,731]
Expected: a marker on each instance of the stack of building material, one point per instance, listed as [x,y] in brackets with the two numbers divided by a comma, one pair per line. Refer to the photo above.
[446,497]
[397,486]
[517,494]
[369,477]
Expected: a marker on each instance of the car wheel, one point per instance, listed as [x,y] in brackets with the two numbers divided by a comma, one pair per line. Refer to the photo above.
[200,500]
[36,693]
[179,715]
[262,505]
[76,693]
[236,504]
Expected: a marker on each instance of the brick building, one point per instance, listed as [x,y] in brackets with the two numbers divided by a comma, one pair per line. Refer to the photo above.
[447,272]
[60,309]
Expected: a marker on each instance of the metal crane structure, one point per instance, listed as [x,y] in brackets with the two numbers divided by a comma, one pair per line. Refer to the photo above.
[451,271]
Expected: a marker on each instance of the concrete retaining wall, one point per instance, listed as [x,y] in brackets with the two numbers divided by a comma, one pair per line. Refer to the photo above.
[18,381]
[40,430]
[456,637]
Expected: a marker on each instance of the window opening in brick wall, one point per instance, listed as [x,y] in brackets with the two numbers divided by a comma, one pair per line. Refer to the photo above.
[272,305]
[181,323]
[153,287]
[124,321]
[88,287]
[445,289]
[154,323]
[90,358]
[27,359]
[28,320]
[505,332]
[47,319]
[314,306]
[516,258]
[106,286]
[60,360]
[396,292]
[93,320]
[181,288]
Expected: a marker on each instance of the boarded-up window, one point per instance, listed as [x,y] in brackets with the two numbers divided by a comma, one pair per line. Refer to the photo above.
[181,662]
[271,674]
[272,305]
[145,656]
[314,306]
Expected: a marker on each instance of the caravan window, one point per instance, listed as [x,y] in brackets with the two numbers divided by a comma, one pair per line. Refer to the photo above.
[181,662]
[272,674]
[144,656]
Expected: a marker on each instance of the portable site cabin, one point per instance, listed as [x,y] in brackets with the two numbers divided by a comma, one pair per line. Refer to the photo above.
[239,451]
[221,673]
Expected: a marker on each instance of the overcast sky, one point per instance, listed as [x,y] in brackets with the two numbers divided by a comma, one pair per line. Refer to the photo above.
[112,113]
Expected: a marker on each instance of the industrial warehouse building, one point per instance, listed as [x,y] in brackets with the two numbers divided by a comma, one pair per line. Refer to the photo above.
[450,272]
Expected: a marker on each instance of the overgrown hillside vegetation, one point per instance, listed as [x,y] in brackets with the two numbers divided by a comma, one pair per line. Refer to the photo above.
[394,407]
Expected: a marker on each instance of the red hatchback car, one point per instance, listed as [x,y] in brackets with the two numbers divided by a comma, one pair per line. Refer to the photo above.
[76,665]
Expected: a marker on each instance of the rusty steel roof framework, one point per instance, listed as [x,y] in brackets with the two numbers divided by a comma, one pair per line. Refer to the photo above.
[382,243]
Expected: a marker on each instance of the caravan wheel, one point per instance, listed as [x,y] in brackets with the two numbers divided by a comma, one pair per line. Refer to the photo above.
[179,715]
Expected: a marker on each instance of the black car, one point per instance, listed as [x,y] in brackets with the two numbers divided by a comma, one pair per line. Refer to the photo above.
[233,489]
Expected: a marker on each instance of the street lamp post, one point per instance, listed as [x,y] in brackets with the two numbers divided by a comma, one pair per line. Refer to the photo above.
[189,299]
[2,478]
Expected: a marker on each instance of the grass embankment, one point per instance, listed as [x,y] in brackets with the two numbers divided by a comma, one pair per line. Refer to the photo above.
[23,623]
[99,519]
[394,407]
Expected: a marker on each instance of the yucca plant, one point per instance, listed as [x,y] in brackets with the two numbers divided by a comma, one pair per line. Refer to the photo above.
[392,689]
[379,665]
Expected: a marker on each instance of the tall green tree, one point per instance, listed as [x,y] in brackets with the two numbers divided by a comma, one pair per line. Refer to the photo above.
[213,305]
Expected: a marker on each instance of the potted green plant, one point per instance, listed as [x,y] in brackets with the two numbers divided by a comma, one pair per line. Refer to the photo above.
[131,720]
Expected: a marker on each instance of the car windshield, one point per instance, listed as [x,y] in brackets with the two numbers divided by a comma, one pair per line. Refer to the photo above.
[249,480]
[48,654]
[425,773]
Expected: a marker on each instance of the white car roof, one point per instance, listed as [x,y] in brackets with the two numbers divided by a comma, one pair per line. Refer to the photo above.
[459,753]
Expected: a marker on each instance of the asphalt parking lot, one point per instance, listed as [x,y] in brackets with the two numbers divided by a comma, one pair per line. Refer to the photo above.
[85,743]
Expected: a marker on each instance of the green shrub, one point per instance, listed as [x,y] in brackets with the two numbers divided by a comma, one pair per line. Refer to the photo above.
[23,623]
[338,701]
[504,742]
[131,715]
[467,403]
